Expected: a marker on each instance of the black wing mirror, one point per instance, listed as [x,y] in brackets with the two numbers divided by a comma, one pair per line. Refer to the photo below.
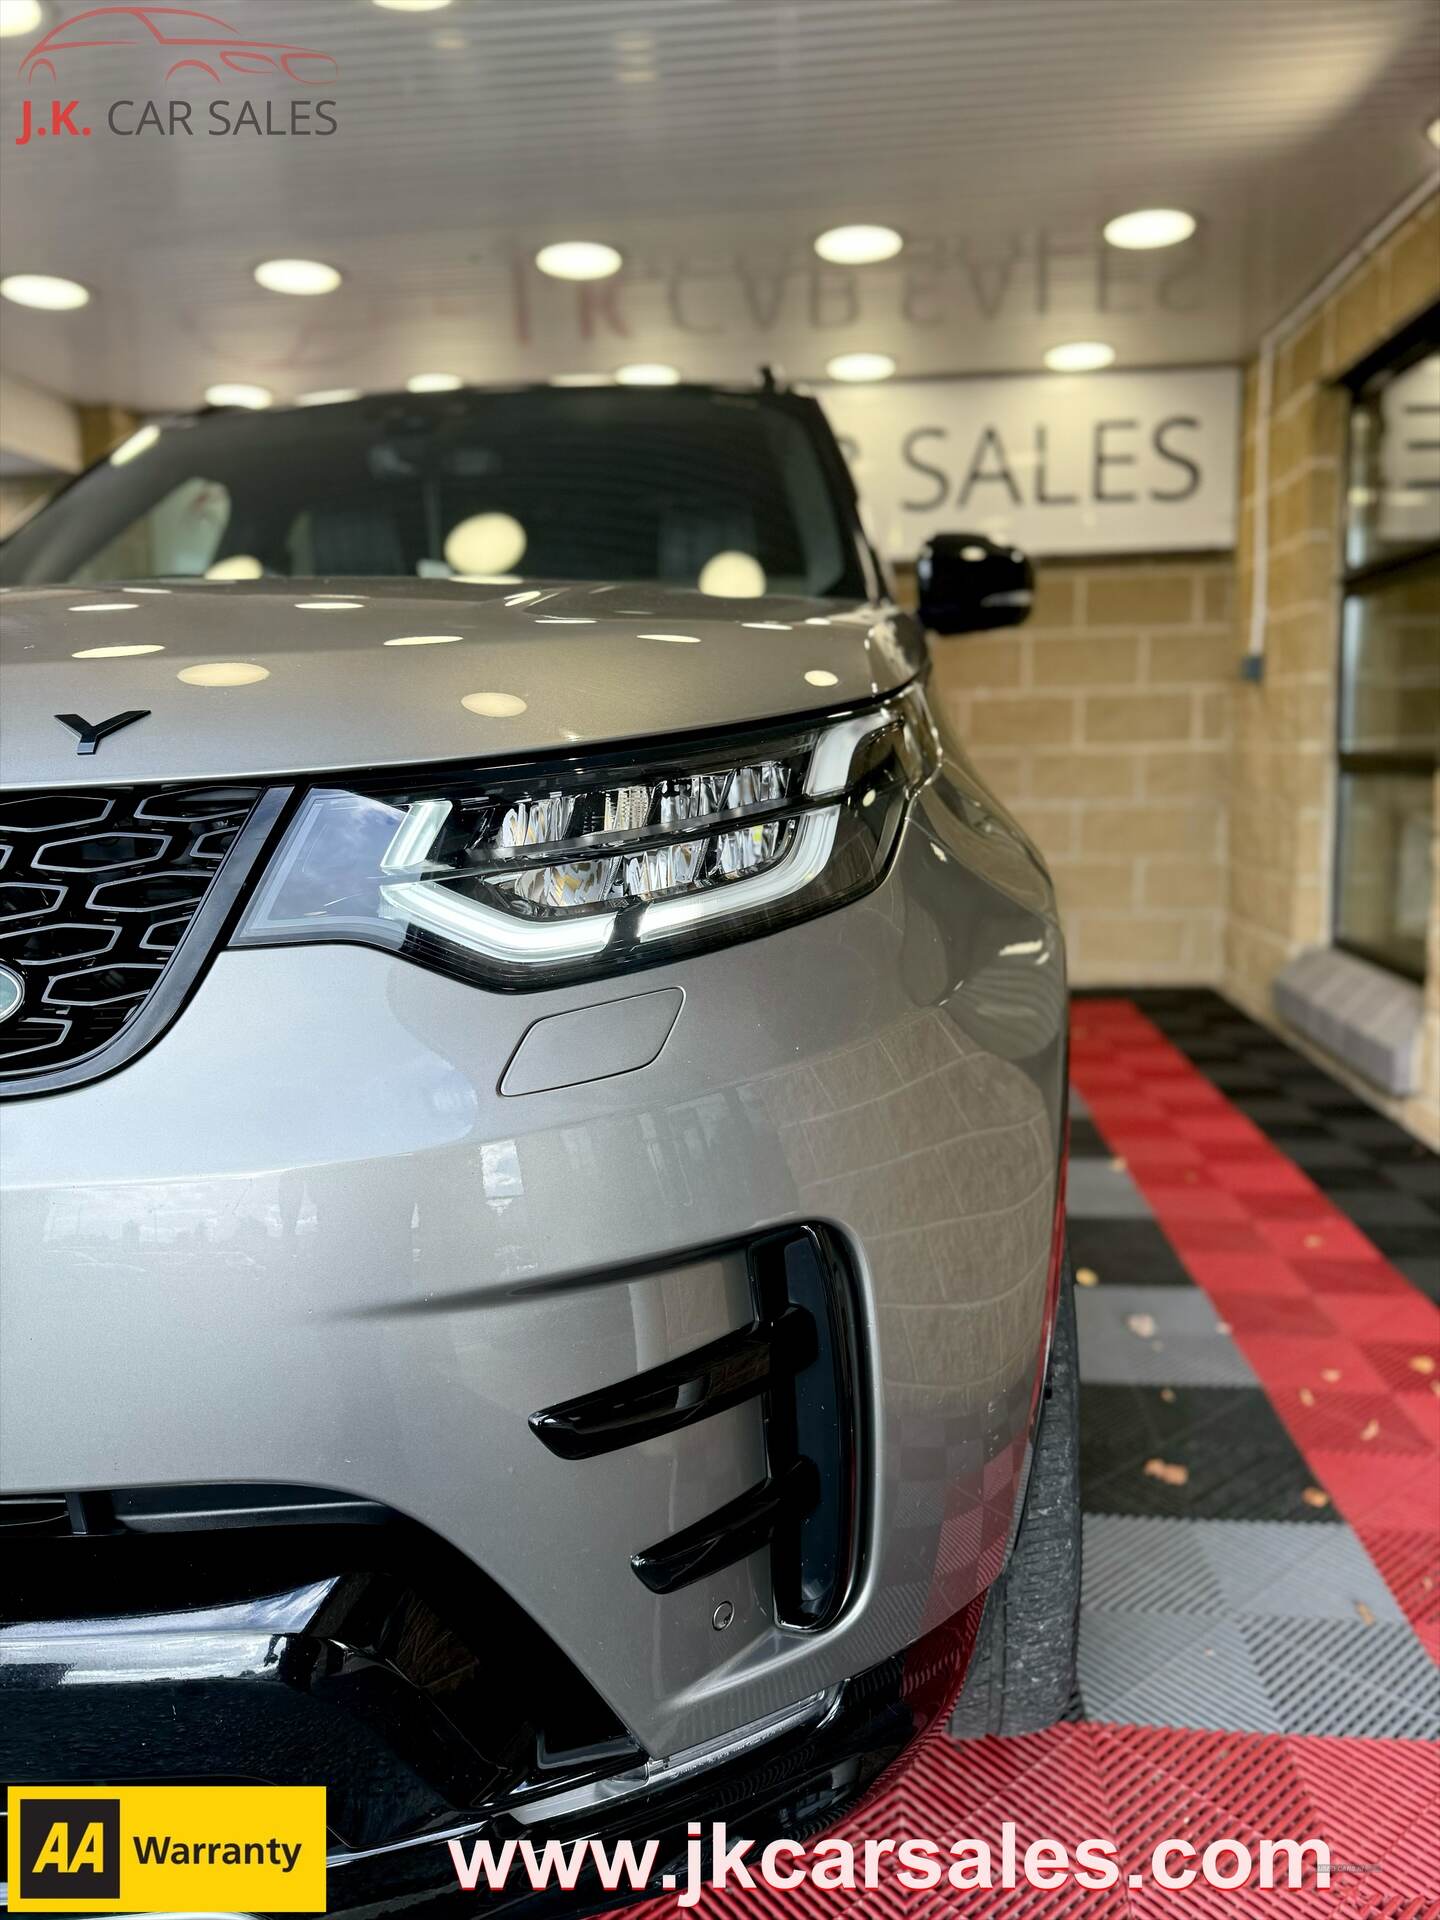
[969,583]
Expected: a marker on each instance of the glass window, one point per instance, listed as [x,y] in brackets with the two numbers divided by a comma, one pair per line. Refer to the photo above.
[734,494]
[1393,496]
[1390,669]
[1384,874]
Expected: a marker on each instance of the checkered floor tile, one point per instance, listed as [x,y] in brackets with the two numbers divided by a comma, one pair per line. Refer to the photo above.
[1257,1260]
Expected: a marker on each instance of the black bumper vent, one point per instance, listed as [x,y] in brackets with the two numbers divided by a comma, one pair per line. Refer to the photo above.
[799,1358]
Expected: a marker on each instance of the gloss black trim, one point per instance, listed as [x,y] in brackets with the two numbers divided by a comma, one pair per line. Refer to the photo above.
[733,1532]
[714,1378]
[815,1423]
[800,1357]
[371,1658]
[794,1785]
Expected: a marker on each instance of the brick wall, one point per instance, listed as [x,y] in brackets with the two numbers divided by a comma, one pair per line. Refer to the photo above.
[1281,831]
[1105,723]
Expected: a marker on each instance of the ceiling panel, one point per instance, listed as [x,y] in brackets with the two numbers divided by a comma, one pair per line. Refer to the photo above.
[710,142]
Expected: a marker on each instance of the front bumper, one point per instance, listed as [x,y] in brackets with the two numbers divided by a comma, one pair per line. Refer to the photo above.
[305,1239]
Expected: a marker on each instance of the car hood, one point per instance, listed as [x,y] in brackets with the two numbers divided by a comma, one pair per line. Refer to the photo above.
[572,663]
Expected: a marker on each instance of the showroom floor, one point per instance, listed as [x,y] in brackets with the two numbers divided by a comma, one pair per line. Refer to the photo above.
[1261,1616]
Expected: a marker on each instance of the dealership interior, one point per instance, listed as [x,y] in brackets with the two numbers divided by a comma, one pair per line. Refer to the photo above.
[1149,291]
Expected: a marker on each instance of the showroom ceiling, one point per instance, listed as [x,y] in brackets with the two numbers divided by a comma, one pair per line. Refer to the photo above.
[709,142]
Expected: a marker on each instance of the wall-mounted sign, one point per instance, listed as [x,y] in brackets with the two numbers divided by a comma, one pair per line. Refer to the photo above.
[1096,463]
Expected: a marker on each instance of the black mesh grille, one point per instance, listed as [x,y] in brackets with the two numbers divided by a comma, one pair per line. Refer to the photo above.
[97,889]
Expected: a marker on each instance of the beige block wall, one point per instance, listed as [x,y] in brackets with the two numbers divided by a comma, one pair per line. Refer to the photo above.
[1105,724]
[1281,830]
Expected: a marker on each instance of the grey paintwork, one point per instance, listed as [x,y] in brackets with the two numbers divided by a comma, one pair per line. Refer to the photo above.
[590,663]
[304,1238]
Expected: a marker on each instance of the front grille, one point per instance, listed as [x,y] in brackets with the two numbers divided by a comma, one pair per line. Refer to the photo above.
[97,890]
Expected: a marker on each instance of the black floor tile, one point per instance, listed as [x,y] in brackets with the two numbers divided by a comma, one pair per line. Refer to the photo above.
[1238,1461]
[1127,1253]
[1422,1271]
[1086,1141]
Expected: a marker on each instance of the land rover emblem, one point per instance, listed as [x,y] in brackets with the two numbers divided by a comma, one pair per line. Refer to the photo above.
[12,992]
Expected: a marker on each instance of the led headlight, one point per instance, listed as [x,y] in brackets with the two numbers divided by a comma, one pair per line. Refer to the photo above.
[527,876]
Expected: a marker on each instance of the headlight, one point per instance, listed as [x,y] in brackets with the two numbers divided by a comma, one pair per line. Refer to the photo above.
[526,876]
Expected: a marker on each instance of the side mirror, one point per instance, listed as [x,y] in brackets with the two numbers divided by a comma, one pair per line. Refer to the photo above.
[969,583]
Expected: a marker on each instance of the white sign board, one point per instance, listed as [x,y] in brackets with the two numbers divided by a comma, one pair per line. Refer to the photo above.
[1059,464]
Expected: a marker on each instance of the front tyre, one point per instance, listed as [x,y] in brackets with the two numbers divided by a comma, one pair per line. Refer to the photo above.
[1022,1675]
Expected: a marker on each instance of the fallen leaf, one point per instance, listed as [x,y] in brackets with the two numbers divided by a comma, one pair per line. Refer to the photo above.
[1307,1398]
[1315,1497]
[1118,1164]
[1142,1325]
[1370,1431]
[1167,1394]
[1422,1363]
[1365,1614]
[1167,1470]
[1330,1375]
[1086,1277]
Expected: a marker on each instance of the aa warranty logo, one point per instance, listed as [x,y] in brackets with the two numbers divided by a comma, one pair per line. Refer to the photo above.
[158,1849]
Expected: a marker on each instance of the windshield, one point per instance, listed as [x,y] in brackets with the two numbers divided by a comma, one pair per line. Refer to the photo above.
[733,494]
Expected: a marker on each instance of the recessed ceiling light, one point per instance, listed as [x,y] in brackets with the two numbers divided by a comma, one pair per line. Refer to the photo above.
[1150,227]
[328,396]
[47,291]
[821,677]
[422,640]
[115,653]
[238,566]
[675,639]
[860,366]
[1079,356]
[107,606]
[732,575]
[138,442]
[434,382]
[224,673]
[412,6]
[578,260]
[648,373]
[19,16]
[297,276]
[494,706]
[238,393]
[1432,132]
[582,379]
[329,606]
[858,246]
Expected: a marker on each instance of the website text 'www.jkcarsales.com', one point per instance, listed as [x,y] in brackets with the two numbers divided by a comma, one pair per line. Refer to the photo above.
[715,1861]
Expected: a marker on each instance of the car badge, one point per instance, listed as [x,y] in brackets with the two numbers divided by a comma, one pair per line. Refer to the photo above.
[92,735]
[12,992]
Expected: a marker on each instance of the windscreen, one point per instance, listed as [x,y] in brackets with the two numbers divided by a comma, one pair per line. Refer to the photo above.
[733,494]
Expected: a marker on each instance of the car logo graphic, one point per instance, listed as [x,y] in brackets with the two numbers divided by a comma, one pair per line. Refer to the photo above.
[92,734]
[195,43]
[12,992]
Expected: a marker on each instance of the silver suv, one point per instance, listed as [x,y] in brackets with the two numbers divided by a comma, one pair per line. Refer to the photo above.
[533,1266]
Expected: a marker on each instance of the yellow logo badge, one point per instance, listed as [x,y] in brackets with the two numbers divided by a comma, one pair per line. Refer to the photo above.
[147,1849]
